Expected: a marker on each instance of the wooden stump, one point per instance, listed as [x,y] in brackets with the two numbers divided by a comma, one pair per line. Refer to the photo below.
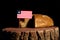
[56,33]
[26,35]
[41,34]
[47,34]
[52,34]
[35,33]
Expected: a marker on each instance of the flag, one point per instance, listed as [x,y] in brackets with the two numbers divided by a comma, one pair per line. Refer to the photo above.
[25,14]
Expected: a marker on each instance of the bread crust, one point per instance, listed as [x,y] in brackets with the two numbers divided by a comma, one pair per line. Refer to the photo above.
[43,20]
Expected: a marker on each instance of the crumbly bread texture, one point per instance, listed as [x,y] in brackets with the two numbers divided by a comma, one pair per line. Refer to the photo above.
[23,24]
[43,20]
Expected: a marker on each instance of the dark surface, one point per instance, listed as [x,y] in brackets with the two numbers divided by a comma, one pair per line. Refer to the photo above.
[9,9]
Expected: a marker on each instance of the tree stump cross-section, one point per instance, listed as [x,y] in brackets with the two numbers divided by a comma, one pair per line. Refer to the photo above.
[35,33]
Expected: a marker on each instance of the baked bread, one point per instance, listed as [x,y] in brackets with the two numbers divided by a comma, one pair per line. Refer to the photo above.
[43,20]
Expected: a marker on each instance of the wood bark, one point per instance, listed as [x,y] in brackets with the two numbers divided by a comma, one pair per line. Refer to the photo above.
[41,34]
[35,33]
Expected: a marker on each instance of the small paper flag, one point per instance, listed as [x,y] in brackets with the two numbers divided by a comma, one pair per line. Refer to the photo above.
[25,14]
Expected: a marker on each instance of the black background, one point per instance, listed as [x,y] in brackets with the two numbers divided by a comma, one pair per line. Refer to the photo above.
[9,9]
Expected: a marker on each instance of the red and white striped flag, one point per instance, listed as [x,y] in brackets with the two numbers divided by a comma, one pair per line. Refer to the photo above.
[25,14]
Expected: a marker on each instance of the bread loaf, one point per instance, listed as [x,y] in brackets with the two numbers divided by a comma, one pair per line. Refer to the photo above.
[40,21]
[43,20]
